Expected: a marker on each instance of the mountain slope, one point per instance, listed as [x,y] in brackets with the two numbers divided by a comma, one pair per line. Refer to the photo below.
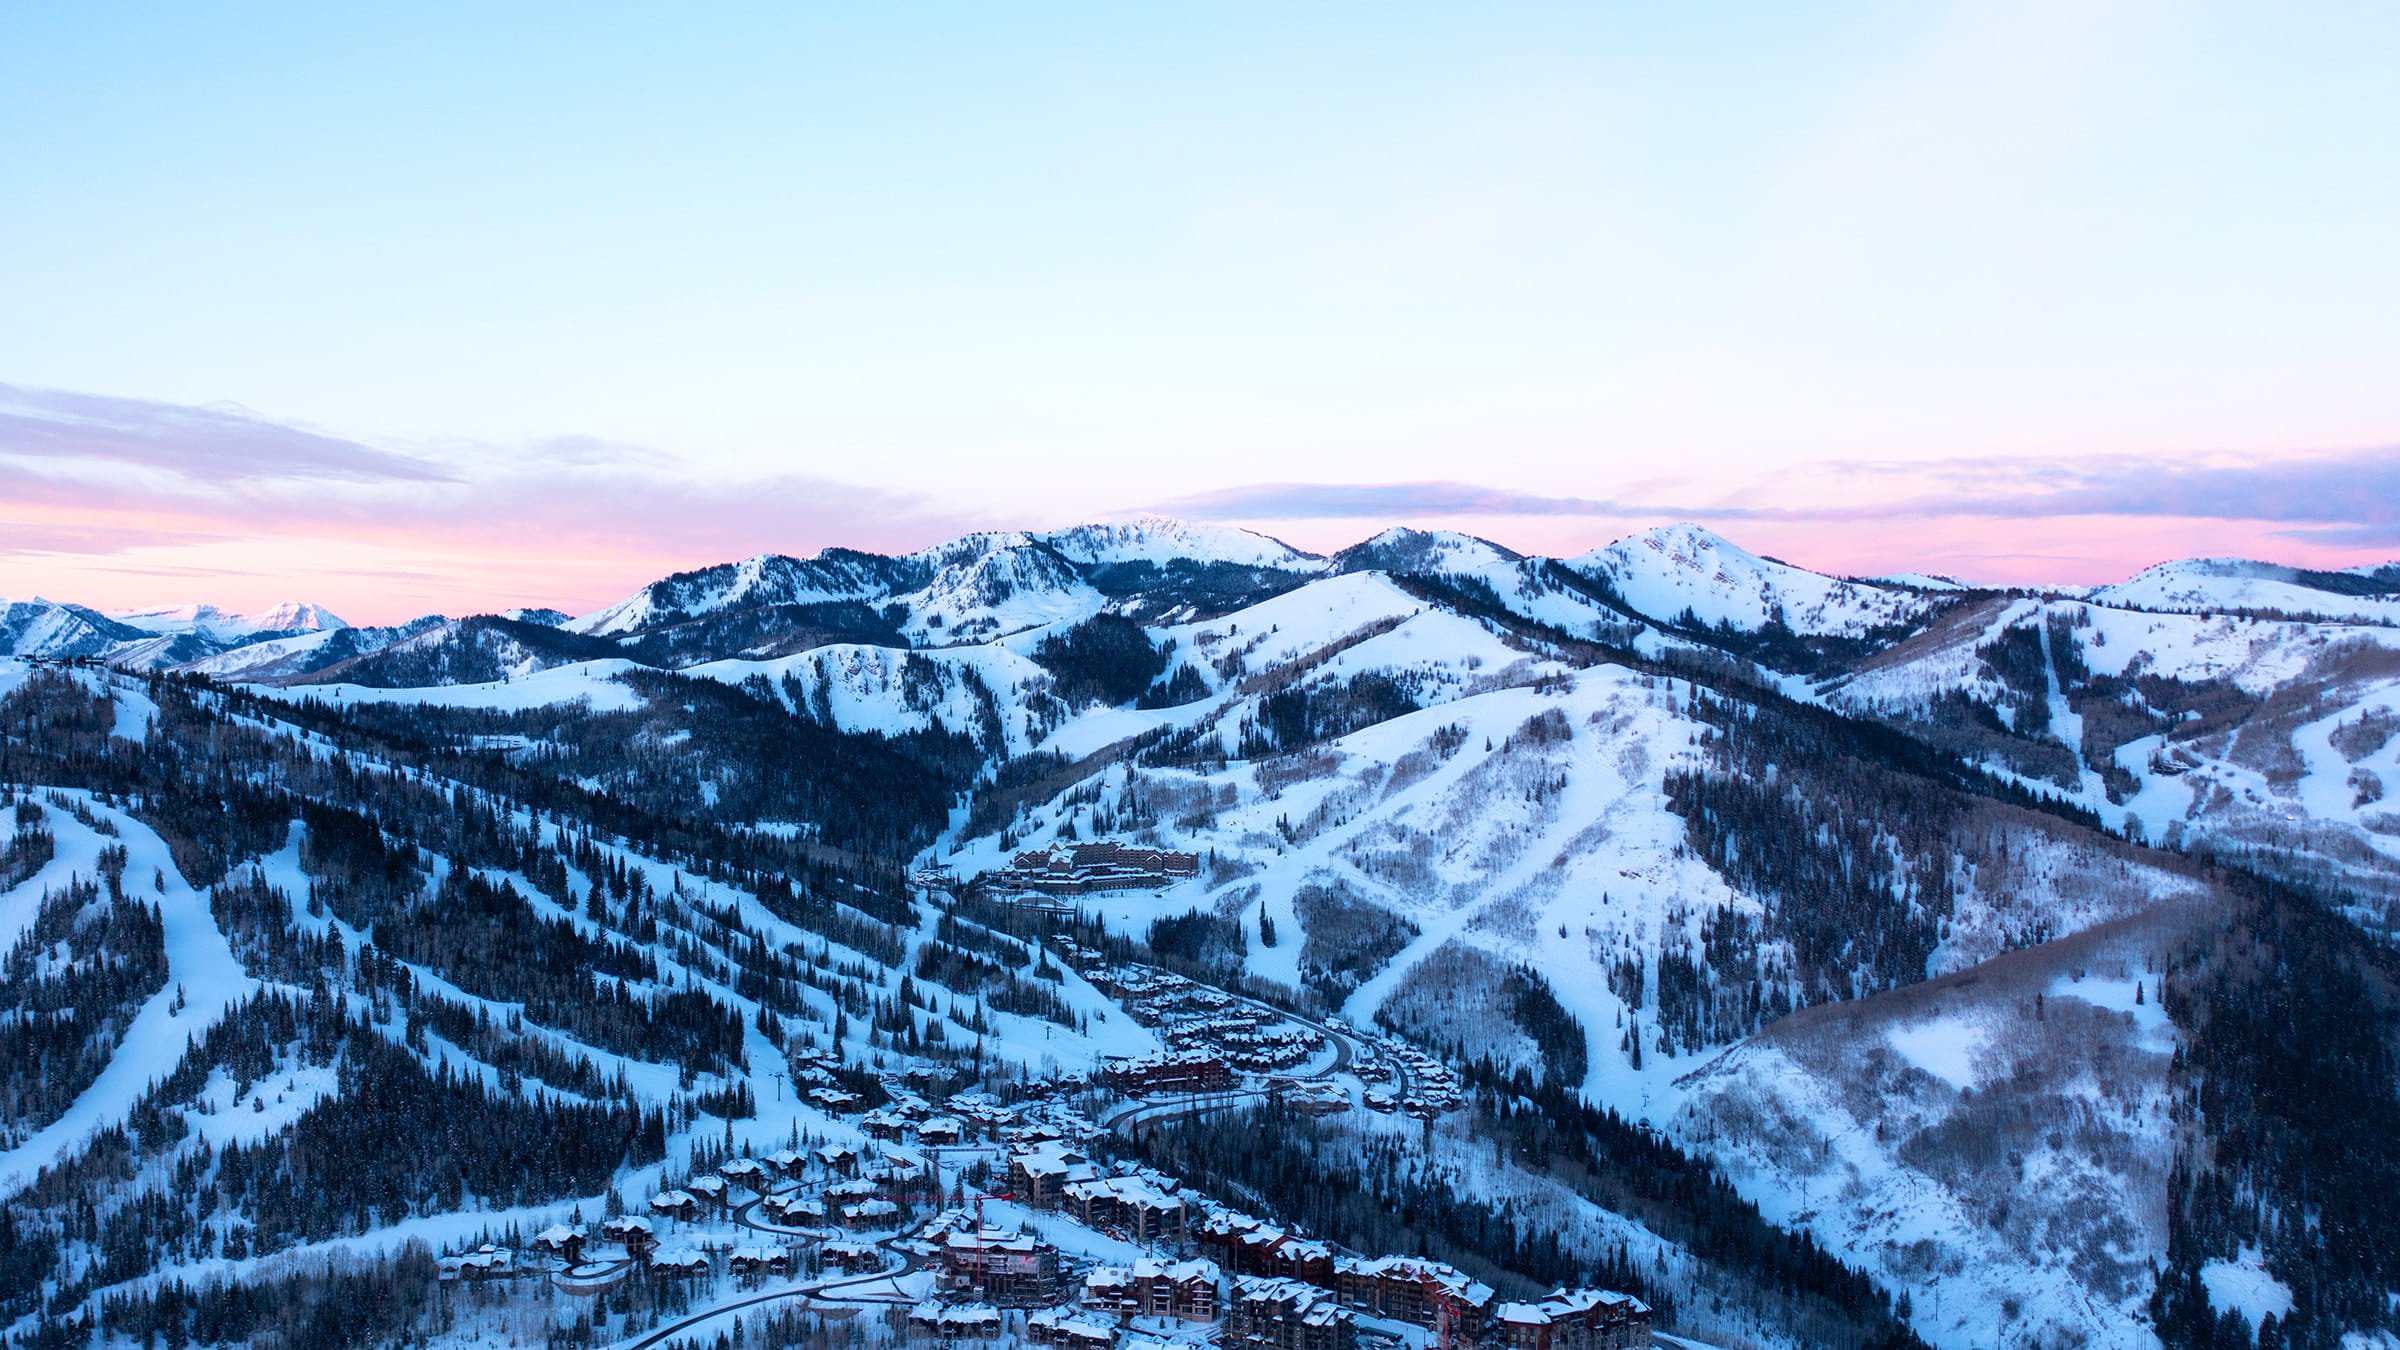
[1685,575]
[476,650]
[1161,540]
[835,574]
[1852,897]
[216,625]
[2210,585]
[43,628]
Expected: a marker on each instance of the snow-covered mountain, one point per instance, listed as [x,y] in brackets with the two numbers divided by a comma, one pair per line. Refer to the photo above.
[217,625]
[547,618]
[478,650]
[1163,541]
[1400,549]
[991,585]
[43,628]
[281,658]
[767,579]
[1685,574]
[2212,585]
[1898,909]
[974,587]
[187,635]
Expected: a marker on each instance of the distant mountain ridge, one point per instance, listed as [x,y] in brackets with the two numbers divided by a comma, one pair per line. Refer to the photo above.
[1678,578]
[208,621]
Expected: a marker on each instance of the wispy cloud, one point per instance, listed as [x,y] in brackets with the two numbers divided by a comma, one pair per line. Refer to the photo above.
[2347,493]
[222,445]
[2339,489]
[94,486]
[1383,501]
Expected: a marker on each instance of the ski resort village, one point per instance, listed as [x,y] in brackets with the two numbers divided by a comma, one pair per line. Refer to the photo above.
[1148,935]
[963,1216]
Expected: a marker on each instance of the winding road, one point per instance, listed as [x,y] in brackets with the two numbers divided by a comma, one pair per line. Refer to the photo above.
[1347,1048]
[816,1290]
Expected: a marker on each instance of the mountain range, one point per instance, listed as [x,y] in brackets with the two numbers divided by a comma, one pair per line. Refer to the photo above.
[2023,958]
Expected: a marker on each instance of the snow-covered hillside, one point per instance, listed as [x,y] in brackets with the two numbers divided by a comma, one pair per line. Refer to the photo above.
[1162,540]
[988,586]
[1994,1144]
[1832,883]
[2240,585]
[1675,570]
[45,628]
[1405,550]
[890,691]
[766,579]
[2181,727]
[301,654]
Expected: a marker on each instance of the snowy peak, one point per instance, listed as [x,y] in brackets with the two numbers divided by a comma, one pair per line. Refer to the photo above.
[45,628]
[2210,585]
[1923,581]
[1401,549]
[174,618]
[968,549]
[296,654]
[295,616]
[988,586]
[1683,573]
[218,625]
[1692,545]
[1162,540]
[765,579]
[980,585]
[477,650]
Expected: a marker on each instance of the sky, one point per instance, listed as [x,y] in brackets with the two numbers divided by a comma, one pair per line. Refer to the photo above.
[427,307]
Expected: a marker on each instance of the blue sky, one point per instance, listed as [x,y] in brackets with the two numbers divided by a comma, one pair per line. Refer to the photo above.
[919,268]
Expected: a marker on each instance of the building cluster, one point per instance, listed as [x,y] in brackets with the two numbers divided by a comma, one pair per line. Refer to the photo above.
[1134,1203]
[1249,1037]
[1173,1071]
[1004,1267]
[1248,1246]
[1059,1326]
[753,1260]
[1250,1284]
[964,1118]
[859,1190]
[1310,1096]
[853,1256]
[1272,1268]
[486,1262]
[953,1322]
[1269,1312]
[1243,1283]
[1194,1018]
[1185,1291]
[1103,865]
[1403,1078]
[986,1266]
[1570,1319]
